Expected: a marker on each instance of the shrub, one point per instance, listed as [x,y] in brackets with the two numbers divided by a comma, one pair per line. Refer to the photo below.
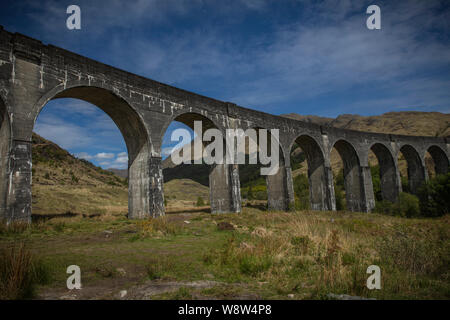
[406,206]
[301,244]
[434,196]
[301,191]
[253,265]
[339,196]
[376,182]
[74,178]
[159,225]
[20,273]
[200,202]
[416,256]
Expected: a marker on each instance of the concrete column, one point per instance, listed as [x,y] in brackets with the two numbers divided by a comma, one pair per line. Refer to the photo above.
[235,189]
[290,189]
[18,196]
[390,182]
[5,137]
[329,185]
[224,188]
[368,198]
[145,191]
[417,174]
[354,190]
[156,195]
[277,190]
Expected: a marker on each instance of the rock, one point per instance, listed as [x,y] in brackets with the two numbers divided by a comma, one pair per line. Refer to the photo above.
[291,295]
[186,221]
[261,232]
[123,293]
[121,271]
[225,226]
[346,297]
[246,246]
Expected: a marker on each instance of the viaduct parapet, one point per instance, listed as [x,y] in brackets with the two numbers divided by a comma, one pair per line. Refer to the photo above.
[32,73]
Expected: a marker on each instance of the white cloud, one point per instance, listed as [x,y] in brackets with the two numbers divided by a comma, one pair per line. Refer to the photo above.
[122,159]
[104,155]
[84,155]
[65,134]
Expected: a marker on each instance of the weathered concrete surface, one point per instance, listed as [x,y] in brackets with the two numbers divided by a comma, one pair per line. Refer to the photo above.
[32,73]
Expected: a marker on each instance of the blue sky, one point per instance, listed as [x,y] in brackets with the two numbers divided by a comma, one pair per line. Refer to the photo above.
[280,56]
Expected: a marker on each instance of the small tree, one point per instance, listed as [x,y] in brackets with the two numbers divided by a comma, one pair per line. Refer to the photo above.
[200,202]
[434,196]
[250,195]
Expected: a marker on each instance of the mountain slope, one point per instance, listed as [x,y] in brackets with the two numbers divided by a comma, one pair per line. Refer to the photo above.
[62,183]
[416,123]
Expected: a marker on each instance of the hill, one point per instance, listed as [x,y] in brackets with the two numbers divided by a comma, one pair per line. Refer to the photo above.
[416,123]
[64,184]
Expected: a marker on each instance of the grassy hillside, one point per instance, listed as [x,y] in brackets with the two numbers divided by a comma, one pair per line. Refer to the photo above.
[64,184]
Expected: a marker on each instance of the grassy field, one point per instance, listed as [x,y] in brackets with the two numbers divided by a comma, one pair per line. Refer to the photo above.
[253,255]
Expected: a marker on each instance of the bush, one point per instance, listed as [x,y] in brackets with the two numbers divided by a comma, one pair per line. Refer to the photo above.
[406,206]
[20,273]
[253,265]
[376,182]
[434,196]
[301,191]
[200,202]
[340,198]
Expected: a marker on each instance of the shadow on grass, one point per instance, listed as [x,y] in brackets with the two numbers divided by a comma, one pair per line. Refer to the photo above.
[68,214]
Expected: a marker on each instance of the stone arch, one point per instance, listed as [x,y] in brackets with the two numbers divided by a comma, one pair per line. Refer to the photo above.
[135,134]
[319,197]
[416,169]
[5,146]
[223,178]
[389,179]
[353,179]
[441,162]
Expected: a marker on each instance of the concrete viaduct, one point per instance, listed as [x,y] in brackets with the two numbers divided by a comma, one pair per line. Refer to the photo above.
[32,73]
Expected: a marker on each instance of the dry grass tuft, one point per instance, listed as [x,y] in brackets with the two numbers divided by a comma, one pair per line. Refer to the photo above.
[20,273]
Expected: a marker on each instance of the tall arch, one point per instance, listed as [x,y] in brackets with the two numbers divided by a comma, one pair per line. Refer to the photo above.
[223,178]
[416,169]
[144,185]
[353,178]
[319,195]
[390,185]
[5,145]
[441,162]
